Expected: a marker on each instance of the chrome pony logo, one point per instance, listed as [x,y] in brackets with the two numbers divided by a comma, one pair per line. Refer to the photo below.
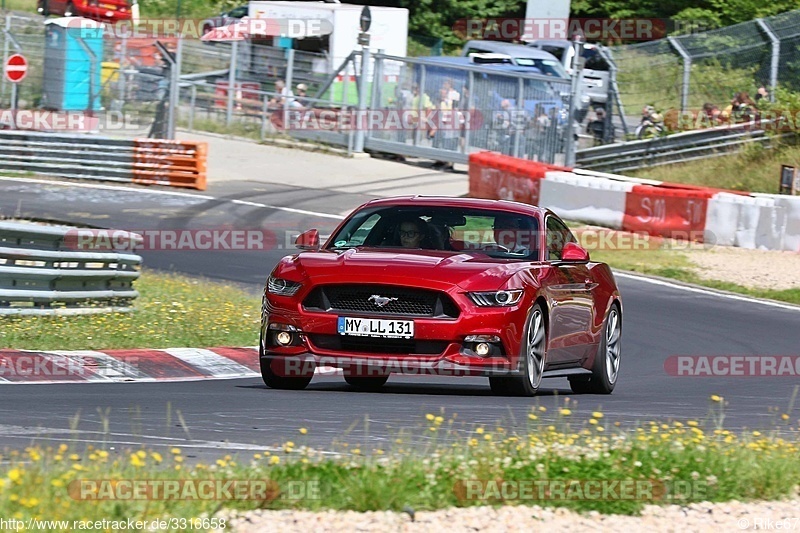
[381,301]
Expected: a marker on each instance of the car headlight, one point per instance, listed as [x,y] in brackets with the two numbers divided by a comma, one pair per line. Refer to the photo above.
[282,287]
[503,298]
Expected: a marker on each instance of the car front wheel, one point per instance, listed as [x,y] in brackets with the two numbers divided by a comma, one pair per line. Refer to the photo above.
[533,354]
[606,363]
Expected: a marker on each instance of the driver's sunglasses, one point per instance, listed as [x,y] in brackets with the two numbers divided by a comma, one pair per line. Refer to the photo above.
[409,234]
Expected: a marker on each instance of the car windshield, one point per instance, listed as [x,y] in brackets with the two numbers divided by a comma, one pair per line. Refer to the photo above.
[547,66]
[557,51]
[463,230]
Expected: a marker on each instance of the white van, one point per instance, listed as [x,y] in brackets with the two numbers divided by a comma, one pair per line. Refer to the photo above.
[595,71]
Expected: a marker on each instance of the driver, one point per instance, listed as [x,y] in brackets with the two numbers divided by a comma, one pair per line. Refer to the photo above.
[514,234]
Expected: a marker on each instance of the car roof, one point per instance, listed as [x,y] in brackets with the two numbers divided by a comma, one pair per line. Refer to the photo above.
[563,43]
[460,60]
[450,201]
[515,50]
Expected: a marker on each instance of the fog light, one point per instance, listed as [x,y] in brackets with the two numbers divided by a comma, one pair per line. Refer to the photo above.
[284,338]
[482,349]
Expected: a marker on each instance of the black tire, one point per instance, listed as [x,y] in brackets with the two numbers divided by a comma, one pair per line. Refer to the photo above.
[603,380]
[69,11]
[43,8]
[275,381]
[533,357]
[363,383]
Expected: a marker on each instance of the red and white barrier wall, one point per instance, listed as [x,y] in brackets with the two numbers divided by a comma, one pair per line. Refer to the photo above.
[659,208]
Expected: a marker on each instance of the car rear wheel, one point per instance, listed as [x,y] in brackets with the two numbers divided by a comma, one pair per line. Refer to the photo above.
[533,353]
[362,383]
[42,8]
[606,363]
[69,11]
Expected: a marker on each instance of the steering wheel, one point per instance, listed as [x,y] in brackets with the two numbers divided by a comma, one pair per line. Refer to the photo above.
[495,248]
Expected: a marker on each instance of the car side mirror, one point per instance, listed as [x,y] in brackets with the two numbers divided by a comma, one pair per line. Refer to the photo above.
[574,252]
[308,240]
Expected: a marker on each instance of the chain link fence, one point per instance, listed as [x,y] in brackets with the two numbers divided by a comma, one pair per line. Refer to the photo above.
[684,72]
[441,110]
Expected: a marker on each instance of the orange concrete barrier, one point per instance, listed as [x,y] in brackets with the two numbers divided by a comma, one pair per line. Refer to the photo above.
[173,163]
[501,177]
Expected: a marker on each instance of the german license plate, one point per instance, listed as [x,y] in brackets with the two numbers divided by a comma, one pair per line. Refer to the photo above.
[376,327]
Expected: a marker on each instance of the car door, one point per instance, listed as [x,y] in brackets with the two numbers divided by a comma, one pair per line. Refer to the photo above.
[570,292]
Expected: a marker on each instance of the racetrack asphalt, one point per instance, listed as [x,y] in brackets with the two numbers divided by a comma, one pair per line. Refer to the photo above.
[660,320]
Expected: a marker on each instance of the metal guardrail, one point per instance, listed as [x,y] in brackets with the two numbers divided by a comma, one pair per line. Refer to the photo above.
[82,156]
[677,148]
[41,274]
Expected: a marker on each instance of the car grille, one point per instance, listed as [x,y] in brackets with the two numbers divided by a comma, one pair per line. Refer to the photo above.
[377,345]
[356,299]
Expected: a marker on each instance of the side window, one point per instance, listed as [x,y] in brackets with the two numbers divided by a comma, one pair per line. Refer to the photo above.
[594,61]
[557,236]
[362,232]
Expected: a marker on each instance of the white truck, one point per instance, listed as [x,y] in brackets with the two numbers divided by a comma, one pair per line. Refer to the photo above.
[339,25]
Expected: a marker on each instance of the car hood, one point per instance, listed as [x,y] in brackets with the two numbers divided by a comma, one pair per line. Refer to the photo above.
[420,268]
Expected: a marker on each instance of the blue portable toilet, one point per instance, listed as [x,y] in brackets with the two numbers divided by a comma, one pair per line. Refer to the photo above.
[73,56]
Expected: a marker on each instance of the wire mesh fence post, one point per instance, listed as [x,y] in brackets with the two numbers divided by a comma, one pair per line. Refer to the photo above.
[264,115]
[420,103]
[774,60]
[192,102]
[174,94]
[5,52]
[289,80]
[469,118]
[377,83]
[362,100]
[517,125]
[121,69]
[687,72]
[231,84]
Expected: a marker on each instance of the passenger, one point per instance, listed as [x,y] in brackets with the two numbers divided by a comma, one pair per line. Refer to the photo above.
[413,233]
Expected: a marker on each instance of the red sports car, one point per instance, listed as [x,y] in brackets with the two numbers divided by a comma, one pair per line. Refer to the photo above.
[443,286]
[109,11]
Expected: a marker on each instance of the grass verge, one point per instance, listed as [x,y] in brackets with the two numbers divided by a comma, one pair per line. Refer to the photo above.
[172,311]
[682,461]
[675,265]
[754,169]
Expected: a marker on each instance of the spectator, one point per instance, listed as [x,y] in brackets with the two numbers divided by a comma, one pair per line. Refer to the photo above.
[740,109]
[711,114]
[283,95]
[416,102]
[301,101]
[446,133]
[511,123]
[762,96]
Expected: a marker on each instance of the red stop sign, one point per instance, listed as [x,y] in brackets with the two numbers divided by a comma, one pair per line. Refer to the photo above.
[16,68]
